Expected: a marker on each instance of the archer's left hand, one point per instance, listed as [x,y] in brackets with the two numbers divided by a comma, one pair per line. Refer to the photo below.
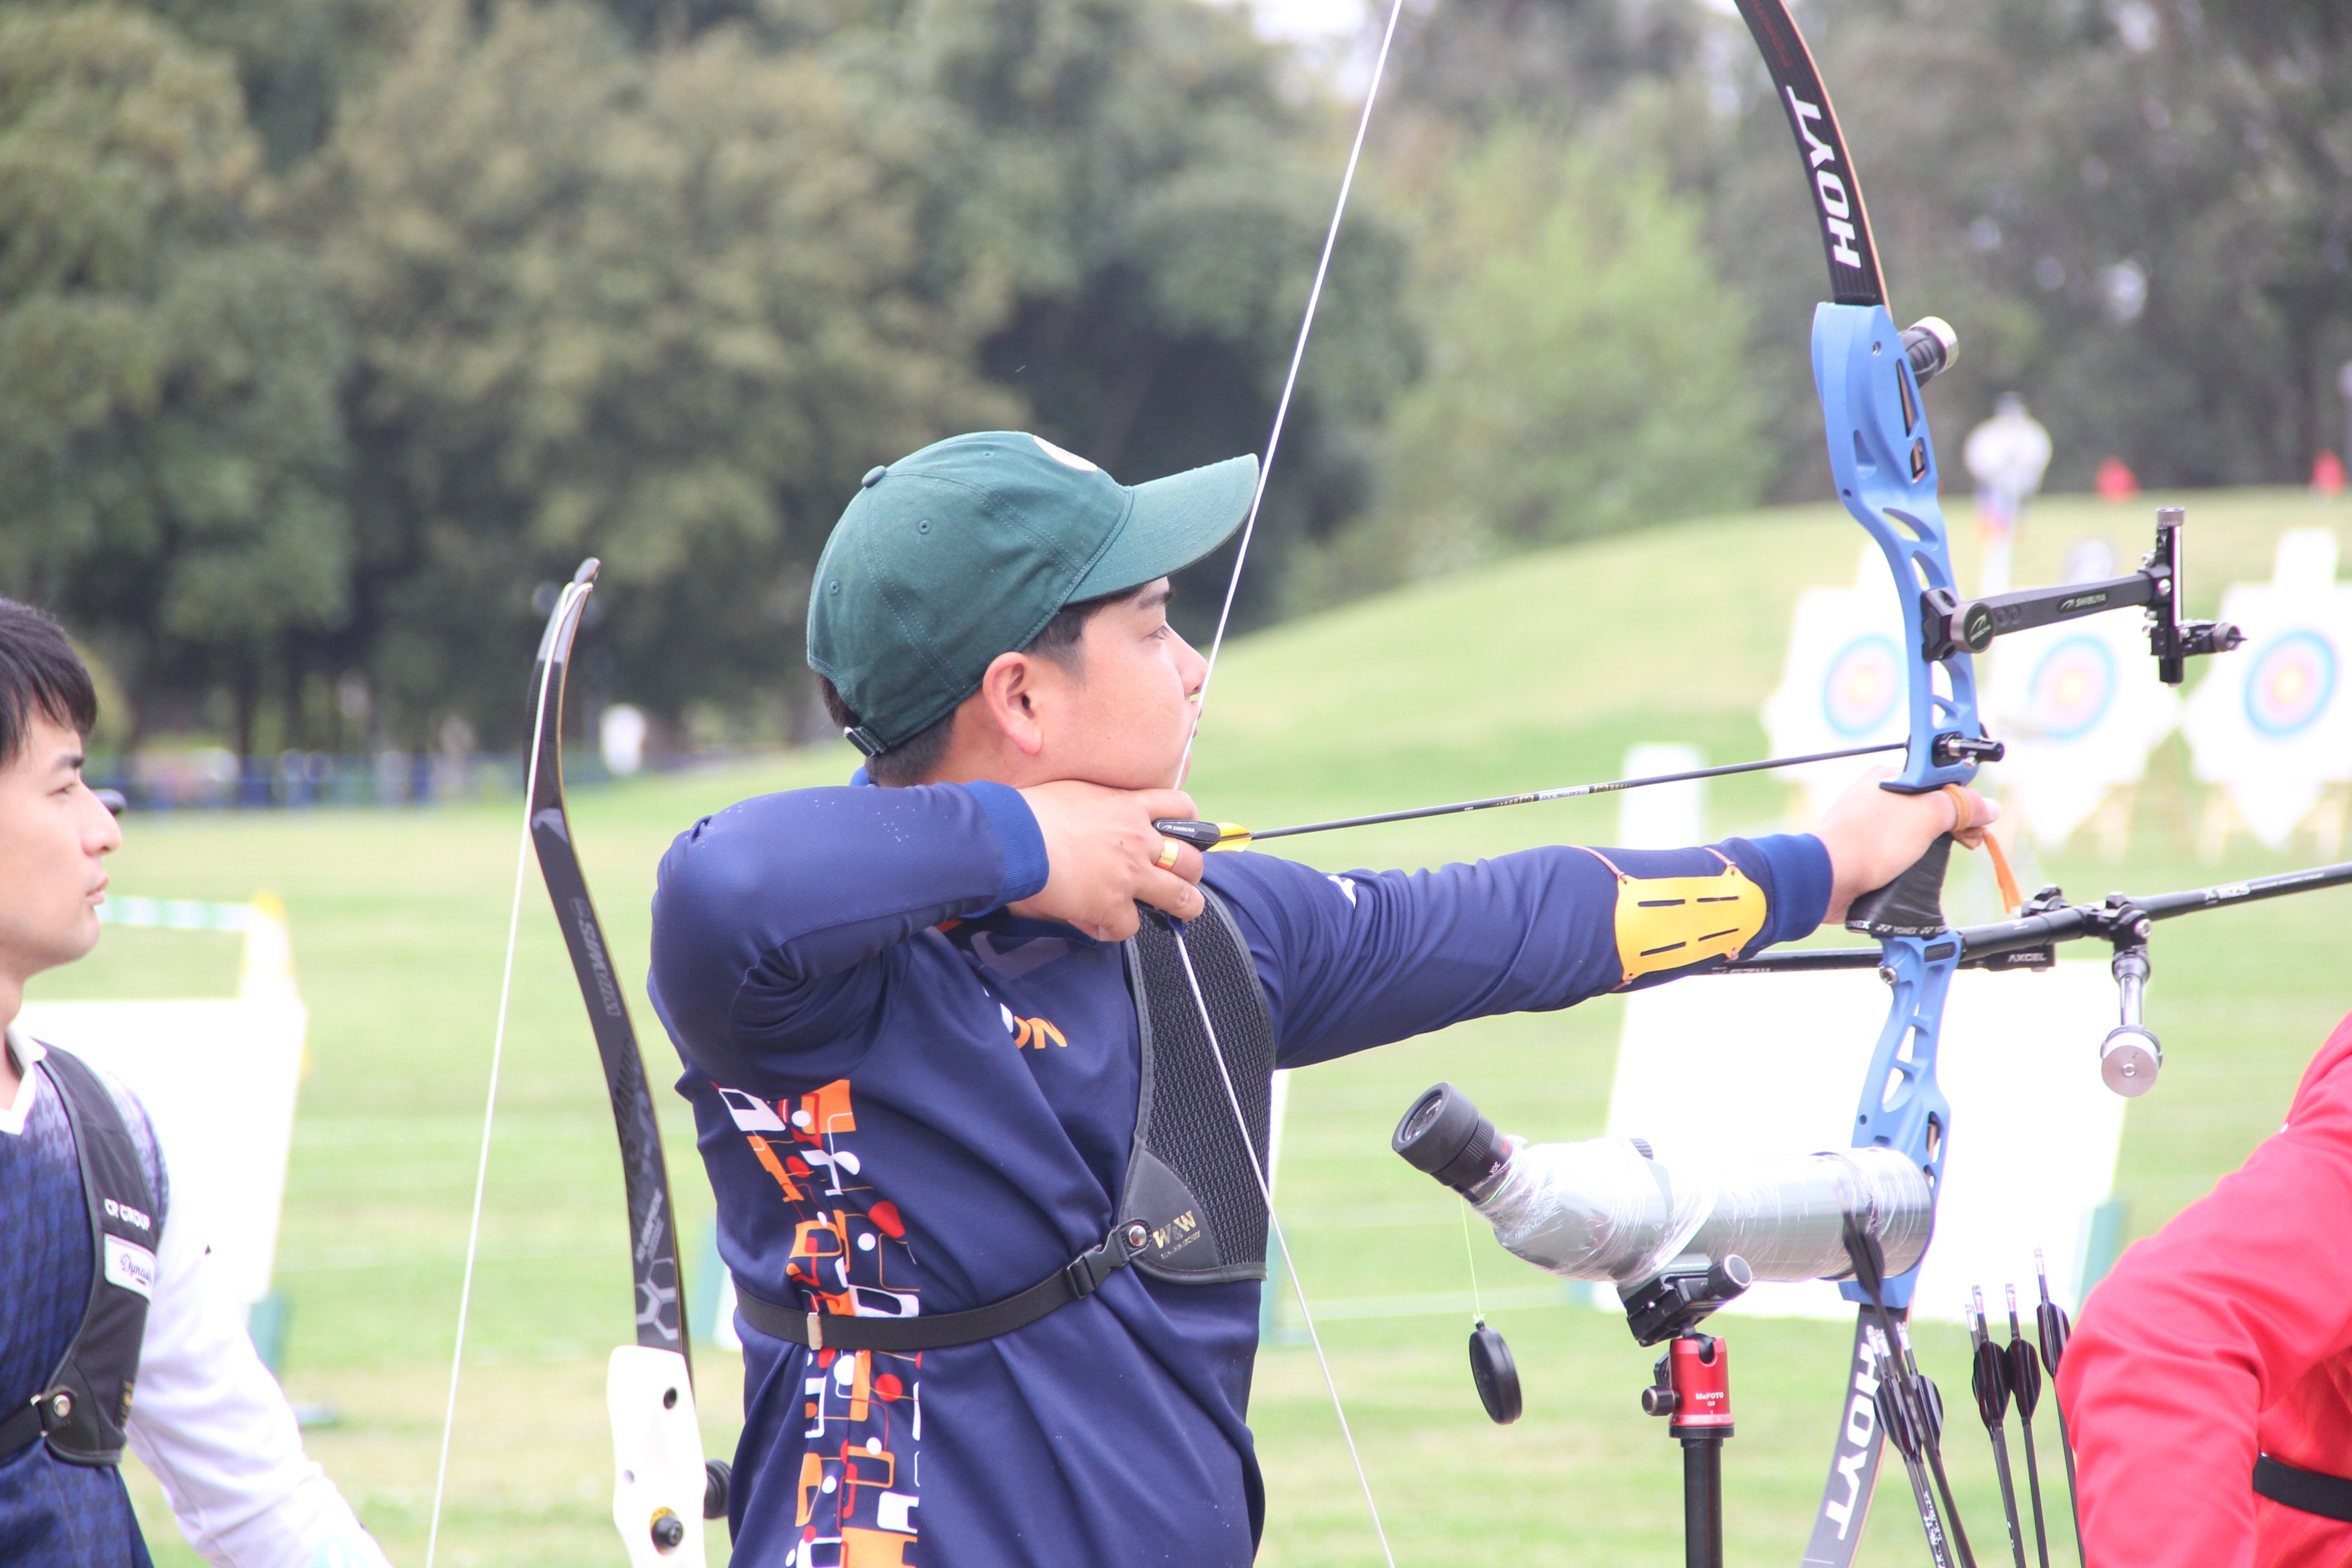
[1874,834]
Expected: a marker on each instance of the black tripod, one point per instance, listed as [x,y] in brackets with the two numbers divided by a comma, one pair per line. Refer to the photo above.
[1694,1390]
[1691,1386]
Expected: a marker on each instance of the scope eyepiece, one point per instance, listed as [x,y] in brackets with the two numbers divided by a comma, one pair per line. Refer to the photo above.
[1444,1135]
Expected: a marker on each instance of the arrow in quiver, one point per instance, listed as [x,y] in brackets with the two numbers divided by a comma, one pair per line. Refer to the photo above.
[1988,1378]
[2025,1386]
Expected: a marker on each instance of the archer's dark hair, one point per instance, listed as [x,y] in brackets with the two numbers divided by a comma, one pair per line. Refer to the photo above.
[39,673]
[912,759]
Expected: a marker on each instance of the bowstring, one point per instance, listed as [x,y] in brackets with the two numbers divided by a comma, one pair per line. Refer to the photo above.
[490,1104]
[1290,379]
[1289,1266]
[1200,708]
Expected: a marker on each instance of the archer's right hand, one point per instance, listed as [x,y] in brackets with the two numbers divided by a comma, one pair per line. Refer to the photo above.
[1103,857]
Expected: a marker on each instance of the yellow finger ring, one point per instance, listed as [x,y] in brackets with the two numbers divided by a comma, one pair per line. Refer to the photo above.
[1169,850]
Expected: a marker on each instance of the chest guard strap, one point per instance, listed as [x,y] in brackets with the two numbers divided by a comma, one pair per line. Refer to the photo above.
[1192,1212]
[86,1405]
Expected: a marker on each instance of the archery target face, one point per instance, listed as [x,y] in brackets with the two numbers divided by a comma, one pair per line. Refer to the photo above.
[1863,685]
[2292,684]
[2270,723]
[2072,687]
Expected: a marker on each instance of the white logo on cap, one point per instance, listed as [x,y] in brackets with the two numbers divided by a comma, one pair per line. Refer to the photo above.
[1067,459]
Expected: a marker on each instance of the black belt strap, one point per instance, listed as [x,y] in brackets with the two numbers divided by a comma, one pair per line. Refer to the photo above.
[2307,1491]
[20,1431]
[1075,1281]
[30,1422]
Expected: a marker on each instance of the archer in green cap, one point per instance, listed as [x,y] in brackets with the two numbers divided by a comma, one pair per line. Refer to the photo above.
[987,1133]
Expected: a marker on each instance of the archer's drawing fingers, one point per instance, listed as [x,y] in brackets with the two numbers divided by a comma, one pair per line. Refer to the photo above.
[1103,855]
[1174,893]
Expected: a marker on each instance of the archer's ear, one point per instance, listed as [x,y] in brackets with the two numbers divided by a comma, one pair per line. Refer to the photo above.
[1008,701]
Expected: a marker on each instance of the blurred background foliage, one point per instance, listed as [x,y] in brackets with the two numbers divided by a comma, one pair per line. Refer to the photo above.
[332,332]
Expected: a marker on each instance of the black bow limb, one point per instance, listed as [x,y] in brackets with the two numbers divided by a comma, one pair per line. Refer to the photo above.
[1910,1408]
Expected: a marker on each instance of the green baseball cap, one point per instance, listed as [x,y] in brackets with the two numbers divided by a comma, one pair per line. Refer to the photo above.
[965,550]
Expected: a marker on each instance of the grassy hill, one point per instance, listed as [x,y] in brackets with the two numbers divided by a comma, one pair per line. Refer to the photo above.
[1534,672]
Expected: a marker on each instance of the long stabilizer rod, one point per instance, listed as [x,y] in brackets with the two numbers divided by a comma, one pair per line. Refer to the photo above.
[2034,929]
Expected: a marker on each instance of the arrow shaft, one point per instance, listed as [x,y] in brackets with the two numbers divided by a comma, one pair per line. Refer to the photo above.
[1571,792]
[2008,1492]
[2033,1491]
[1939,1549]
[1934,1452]
[2073,1497]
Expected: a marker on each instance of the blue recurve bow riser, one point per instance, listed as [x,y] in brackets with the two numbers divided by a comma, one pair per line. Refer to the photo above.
[1884,459]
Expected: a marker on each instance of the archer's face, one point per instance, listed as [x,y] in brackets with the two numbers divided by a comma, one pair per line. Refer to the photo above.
[1121,718]
[54,836]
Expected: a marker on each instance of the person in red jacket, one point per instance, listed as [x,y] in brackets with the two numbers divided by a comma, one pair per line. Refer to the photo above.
[2209,1385]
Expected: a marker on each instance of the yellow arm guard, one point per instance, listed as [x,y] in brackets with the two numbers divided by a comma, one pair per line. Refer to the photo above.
[1668,922]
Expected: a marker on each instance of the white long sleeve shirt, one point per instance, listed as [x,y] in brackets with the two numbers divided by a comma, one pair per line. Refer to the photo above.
[209,1419]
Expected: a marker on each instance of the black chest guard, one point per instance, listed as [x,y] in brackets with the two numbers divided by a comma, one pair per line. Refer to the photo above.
[84,1408]
[1192,1211]
[1190,1178]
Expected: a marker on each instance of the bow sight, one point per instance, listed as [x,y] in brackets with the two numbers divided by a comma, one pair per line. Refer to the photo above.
[1952,623]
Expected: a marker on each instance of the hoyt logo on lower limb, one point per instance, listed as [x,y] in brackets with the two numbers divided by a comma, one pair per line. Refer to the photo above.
[1856,1438]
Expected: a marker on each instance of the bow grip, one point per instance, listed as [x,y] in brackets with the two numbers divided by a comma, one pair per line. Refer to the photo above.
[1912,904]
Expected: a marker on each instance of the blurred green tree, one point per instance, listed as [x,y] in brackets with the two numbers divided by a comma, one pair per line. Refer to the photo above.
[296,59]
[1148,189]
[170,444]
[659,308]
[1585,374]
[2150,218]
[1559,64]
[2137,212]
[659,280]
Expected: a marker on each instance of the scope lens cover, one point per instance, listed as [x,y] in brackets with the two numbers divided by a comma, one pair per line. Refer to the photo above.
[1497,1375]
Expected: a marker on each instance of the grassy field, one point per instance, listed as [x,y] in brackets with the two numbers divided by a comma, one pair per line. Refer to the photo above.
[1538,672]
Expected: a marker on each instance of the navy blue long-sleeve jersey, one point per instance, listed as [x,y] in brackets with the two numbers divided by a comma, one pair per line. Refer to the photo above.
[897,1115]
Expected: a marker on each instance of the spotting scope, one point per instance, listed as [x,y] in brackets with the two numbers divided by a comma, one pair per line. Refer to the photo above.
[1608,1209]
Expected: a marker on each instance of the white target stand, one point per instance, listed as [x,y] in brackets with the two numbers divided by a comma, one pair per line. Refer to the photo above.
[2270,724]
[1843,684]
[1718,1070]
[2081,713]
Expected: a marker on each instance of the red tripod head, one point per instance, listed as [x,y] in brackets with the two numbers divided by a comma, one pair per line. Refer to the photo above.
[1693,1388]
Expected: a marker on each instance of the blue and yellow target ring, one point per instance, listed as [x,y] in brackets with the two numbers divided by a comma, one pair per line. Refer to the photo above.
[2291,684]
[2073,688]
[1863,686]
